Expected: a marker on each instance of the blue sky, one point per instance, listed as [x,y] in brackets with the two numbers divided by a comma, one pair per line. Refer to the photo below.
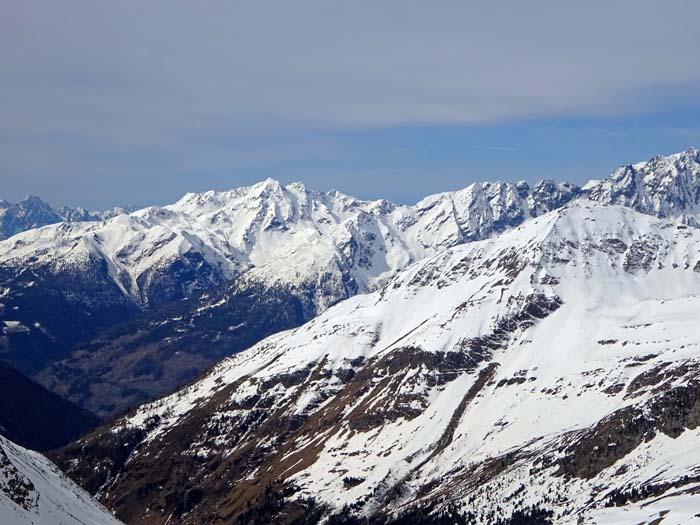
[138,103]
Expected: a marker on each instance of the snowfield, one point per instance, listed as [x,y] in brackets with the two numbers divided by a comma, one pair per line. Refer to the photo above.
[33,491]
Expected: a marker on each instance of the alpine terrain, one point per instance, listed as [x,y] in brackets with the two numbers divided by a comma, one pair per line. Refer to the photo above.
[33,491]
[549,372]
[378,264]
[500,354]
[32,212]
[118,286]
[306,251]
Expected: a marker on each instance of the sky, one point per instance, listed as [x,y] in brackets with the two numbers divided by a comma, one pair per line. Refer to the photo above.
[136,103]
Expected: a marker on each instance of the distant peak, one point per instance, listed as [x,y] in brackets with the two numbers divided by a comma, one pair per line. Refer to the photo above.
[270,183]
[691,152]
[32,199]
[297,185]
[665,185]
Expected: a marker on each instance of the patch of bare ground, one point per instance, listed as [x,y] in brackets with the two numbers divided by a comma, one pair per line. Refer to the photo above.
[587,453]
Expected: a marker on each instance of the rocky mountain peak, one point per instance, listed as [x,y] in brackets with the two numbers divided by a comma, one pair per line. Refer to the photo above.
[30,212]
[664,186]
[313,249]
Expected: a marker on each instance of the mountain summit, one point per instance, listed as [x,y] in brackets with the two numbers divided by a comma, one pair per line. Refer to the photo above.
[32,212]
[553,367]
[663,186]
[318,248]
[265,258]
[218,261]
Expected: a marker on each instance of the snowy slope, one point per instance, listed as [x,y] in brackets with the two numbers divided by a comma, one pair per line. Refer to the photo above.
[293,235]
[553,365]
[34,492]
[316,248]
[66,290]
[674,507]
[299,252]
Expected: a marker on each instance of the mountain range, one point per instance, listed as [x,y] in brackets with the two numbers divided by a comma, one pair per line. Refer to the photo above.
[265,244]
[500,354]
[553,367]
[32,212]
[163,293]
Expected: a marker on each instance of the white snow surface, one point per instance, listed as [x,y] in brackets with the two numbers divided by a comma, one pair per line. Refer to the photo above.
[288,234]
[50,498]
[343,245]
[630,298]
[664,186]
[442,274]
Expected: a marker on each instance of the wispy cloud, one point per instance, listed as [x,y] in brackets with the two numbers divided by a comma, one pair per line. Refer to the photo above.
[127,78]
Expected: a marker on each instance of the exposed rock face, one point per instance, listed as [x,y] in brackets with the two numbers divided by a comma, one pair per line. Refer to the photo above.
[32,212]
[29,213]
[553,367]
[671,411]
[128,306]
[314,249]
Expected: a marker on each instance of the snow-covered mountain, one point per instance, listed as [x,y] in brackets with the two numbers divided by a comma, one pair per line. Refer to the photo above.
[665,186]
[80,214]
[318,248]
[290,251]
[29,213]
[32,212]
[329,243]
[34,492]
[292,235]
[552,368]
[244,252]
[288,233]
